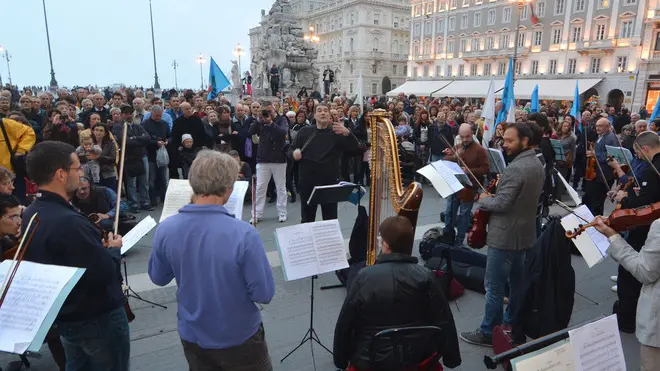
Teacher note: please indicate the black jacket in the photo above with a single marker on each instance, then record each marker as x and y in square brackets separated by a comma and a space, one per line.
[158, 131]
[66, 237]
[272, 139]
[649, 193]
[396, 292]
[546, 301]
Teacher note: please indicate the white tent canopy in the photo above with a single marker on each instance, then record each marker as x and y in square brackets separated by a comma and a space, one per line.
[555, 89]
[420, 88]
[468, 89]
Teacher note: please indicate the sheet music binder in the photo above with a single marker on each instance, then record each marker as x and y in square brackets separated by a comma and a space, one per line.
[329, 194]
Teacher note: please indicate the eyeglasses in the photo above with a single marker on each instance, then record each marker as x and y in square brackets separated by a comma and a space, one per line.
[14, 218]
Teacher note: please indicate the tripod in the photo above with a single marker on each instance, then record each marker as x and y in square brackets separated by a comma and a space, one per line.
[310, 335]
[130, 293]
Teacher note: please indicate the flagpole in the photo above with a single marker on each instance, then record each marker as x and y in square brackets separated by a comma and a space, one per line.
[520, 3]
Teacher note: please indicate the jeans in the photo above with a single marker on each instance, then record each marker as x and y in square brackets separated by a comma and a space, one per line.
[109, 183]
[502, 266]
[142, 182]
[97, 344]
[454, 205]
[158, 178]
[264, 173]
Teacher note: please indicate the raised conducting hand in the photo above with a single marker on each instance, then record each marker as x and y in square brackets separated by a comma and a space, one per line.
[338, 128]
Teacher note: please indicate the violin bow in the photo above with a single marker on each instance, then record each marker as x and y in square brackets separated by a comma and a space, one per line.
[121, 177]
[451, 148]
[568, 208]
[18, 257]
[625, 158]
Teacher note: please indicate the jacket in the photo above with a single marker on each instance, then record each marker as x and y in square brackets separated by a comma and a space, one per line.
[21, 139]
[512, 224]
[158, 131]
[395, 292]
[645, 267]
[137, 140]
[608, 139]
[548, 286]
[436, 130]
[272, 139]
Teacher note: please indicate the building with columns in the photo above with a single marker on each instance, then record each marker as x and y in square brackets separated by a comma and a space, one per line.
[606, 45]
[368, 37]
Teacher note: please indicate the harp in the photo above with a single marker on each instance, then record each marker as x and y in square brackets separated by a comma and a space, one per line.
[387, 196]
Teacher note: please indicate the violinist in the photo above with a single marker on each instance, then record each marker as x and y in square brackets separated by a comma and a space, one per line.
[475, 157]
[596, 189]
[584, 128]
[10, 221]
[511, 230]
[92, 322]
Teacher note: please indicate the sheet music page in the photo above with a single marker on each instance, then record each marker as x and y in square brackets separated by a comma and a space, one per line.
[458, 172]
[571, 191]
[235, 203]
[555, 357]
[448, 175]
[592, 244]
[329, 244]
[620, 154]
[29, 300]
[597, 346]
[177, 196]
[439, 183]
[135, 235]
[496, 158]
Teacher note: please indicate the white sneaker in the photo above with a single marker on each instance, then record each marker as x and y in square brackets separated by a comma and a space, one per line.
[252, 222]
[614, 278]
[614, 288]
[282, 218]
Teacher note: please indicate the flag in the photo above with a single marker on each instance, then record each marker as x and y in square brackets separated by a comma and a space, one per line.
[361, 93]
[535, 99]
[217, 80]
[488, 113]
[508, 111]
[575, 110]
[656, 110]
[533, 17]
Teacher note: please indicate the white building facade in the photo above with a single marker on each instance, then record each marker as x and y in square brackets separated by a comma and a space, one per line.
[368, 37]
[603, 42]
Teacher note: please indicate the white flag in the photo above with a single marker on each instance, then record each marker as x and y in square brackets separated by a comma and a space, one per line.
[488, 113]
[511, 115]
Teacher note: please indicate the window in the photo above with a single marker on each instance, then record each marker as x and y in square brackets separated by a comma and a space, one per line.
[523, 13]
[441, 5]
[341, 22]
[374, 88]
[501, 69]
[351, 67]
[453, 3]
[552, 70]
[463, 45]
[438, 71]
[473, 70]
[475, 44]
[540, 9]
[393, 86]
[506, 15]
[490, 44]
[538, 38]
[477, 19]
[579, 5]
[603, 4]
[486, 69]
[440, 27]
[417, 28]
[426, 47]
[535, 67]
[621, 64]
[416, 50]
[350, 44]
[429, 8]
[556, 36]
[521, 40]
[375, 21]
[461, 70]
[452, 23]
[414, 71]
[332, 25]
[374, 69]
[425, 70]
[427, 27]
[352, 18]
[464, 21]
[450, 46]
[405, 70]
[396, 22]
[491, 16]
[630, 2]
[394, 69]
[350, 88]
[449, 70]
[518, 68]
[595, 65]
[504, 42]
[466, 2]
[418, 10]
[576, 34]
[560, 5]
[600, 32]
[626, 30]
[438, 46]
[572, 63]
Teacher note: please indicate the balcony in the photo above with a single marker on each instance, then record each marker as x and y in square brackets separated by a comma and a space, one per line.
[596, 47]
[375, 54]
[495, 53]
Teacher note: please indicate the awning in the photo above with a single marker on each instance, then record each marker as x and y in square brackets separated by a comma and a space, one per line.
[468, 89]
[419, 88]
[551, 89]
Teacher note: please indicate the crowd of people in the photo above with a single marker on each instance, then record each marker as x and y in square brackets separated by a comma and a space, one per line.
[62, 157]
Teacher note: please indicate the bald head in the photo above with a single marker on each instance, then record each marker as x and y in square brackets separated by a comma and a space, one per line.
[603, 126]
[465, 132]
[187, 109]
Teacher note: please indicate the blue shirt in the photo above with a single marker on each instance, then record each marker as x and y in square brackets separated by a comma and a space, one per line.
[221, 270]
[166, 118]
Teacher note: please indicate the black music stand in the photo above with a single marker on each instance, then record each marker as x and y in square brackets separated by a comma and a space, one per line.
[129, 292]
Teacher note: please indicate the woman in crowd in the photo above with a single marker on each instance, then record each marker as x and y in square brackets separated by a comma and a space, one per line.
[569, 145]
[108, 158]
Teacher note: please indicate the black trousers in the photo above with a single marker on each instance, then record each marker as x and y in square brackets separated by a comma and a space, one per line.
[292, 175]
[595, 194]
[308, 212]
[326, 86]
[628, 290]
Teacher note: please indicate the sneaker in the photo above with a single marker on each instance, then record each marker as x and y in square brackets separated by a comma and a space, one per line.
[614, 278]
[476, 337]
[252, 222]
[282, 218]
[614, 288]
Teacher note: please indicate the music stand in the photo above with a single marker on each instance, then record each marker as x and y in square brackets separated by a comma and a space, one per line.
[129, 292]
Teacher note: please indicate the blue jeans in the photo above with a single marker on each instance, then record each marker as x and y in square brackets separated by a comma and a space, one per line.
[502, 266]
[142, 183]
[454, 205]
[99, 344]
[158, 178]
[109, 183]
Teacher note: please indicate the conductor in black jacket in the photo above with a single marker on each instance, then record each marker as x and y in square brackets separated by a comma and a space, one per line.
[319, 149]
[395, 292]
[92, 322]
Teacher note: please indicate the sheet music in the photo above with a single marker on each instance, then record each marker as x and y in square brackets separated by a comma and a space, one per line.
[597, 346]
[438, 181]
[618, 153]
[135, 235]
[458, 172]
[178, 195]
[235, 203]
[555, 357]
[577, 200]
[592, 244]
[34, 295]
[311, 248]
[496, 159]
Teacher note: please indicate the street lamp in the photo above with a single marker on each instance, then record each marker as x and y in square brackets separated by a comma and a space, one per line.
[312, 36]
[53, 82]
[521, 4]
[153, 47]
[238, 51]
[200, 60]
[175, 65]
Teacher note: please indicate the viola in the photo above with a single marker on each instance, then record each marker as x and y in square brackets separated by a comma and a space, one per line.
[624, 220]
[625, 168]
[591, 171]
[476, 238]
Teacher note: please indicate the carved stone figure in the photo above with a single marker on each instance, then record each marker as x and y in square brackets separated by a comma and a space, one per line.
[235, 75]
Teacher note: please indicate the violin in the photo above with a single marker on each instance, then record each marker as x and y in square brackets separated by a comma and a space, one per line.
[624, 188]
[591, 171]
[476, 238]
[624, 220]
[625, 168]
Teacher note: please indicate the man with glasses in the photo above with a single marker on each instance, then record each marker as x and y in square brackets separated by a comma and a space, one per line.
[167, 118]
[596, 189]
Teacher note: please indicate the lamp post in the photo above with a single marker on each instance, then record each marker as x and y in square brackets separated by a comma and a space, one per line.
[175, 65]
[53, 82]
[312, 36]
[200, 60]
[238, 51]
[153, 47]
[521, 4]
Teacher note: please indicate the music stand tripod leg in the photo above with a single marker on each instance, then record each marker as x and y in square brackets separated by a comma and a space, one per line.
[130, 293]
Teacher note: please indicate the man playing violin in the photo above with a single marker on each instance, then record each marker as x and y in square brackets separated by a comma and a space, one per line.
[596, 189]
[10, 221]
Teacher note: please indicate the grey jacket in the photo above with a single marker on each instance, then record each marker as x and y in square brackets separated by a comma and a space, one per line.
[512, 224]
[645, 267]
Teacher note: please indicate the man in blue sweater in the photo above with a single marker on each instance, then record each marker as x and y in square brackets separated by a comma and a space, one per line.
[221, 270]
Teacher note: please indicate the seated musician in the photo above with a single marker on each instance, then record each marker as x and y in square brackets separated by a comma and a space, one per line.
[395, 292]
[93, 199]
[476, 158]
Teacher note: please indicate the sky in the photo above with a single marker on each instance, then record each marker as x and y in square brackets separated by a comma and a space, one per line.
[100, 42]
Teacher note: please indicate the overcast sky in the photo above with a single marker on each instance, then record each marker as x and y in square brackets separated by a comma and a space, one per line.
[102, 42]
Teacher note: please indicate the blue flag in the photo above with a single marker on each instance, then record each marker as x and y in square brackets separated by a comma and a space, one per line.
[535, 100]
[508, 101]
[217, 80]
[575, 110]
[656, 110]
